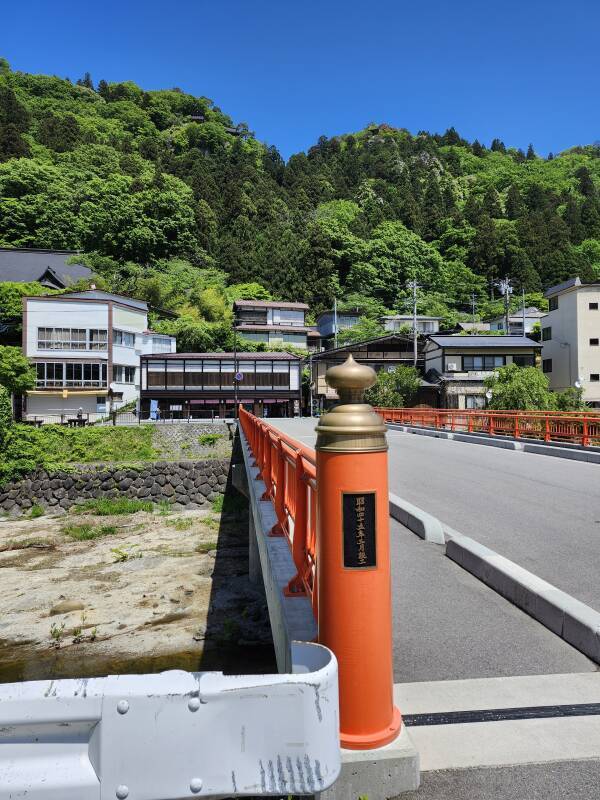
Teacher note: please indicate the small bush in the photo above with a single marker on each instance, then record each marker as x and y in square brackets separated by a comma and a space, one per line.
[209, 439]
[206, 547]
[85, 532]
[181, 524]
[217, 503]
[105, 507]
[164, 508]
[36, 511]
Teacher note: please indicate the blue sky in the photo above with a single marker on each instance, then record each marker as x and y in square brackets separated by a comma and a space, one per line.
[524, 71]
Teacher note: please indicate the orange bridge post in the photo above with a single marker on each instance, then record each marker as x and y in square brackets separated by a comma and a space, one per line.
[353, 559]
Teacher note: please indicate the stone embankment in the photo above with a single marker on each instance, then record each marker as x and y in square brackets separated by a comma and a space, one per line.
[183, 484]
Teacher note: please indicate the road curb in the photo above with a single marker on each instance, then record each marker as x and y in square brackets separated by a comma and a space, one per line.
[418, 521]
[572, 620]
[554, 450]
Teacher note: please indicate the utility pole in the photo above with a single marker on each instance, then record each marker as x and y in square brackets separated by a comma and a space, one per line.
[335, 323]
[473, 308]
[414, 286]
[235, 367]
[310, 386]
[506, 290]
[523, 300]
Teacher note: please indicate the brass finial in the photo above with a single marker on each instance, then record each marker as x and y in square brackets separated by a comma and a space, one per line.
[351, 425]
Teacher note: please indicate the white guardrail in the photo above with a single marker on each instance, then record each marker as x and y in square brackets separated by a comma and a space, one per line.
[174, 735]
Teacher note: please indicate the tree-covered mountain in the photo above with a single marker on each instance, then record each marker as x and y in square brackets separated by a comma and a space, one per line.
[178, 205]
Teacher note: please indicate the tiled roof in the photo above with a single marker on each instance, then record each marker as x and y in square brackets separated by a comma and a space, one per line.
[477, 342]
[241, 356]
[24, 265]
[268, 304]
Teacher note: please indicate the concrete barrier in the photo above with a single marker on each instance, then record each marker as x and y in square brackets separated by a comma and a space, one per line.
[572, 620]
[415, 519]
[555, 449]
[292, 618]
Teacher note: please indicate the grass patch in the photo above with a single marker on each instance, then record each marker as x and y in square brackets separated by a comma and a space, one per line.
[106, 506]
[36, 511]
[51, 446]
[218, 503]
[85, 532]
[205, 547]
[181, 524]
[23, 544]
[209, 439]
[164, 508]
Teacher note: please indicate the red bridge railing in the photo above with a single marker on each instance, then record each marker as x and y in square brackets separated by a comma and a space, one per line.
[288, 469]
[570, 427]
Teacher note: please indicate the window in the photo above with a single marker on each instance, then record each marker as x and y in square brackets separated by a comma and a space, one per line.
[98, 339]
[594, 342]
[553, 304]
[49, 375]
[546, 334]
[161, 344]
[156, 374]
[62, 339]
[125, 339]
[123, 374]
[547, 365]
[595, 377]
[85, 374]
[593, 306]
[524, 361]
[479, 363]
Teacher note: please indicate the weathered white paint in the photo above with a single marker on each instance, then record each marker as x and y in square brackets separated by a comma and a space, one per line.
[173, 736]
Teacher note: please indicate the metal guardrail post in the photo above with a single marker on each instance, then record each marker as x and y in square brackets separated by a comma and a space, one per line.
[353, 566]
[173, 736]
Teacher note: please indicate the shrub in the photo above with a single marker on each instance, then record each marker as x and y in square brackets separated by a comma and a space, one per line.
[105, 507]
[36, 511]
[86, 532]
[209, 439]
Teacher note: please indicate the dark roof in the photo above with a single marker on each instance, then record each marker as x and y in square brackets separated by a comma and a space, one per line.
[241, 356]
[408, 316]
[351, 346]
[477, 342]
[46, 266]
[561, 287]
[268, 304]
[98, 294]
[272, 327]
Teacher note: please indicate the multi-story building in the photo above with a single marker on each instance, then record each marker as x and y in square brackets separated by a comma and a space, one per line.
[571, 338]
[86, 349]
[273, 323]
[459, 365]
[185, 385]
[386, 352]
[330, 322]
[515, 321]
[398, 322]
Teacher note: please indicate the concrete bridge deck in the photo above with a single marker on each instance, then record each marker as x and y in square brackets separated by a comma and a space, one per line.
[542, 513]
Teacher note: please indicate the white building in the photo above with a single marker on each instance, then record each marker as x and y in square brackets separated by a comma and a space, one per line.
[571, 338]
[270, 322]
[515, 321]
[399, 322]
[86, 349]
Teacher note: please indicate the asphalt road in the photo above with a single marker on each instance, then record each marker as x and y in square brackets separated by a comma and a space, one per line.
[539, 511]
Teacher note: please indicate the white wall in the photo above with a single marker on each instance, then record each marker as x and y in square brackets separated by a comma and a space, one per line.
[65, 314]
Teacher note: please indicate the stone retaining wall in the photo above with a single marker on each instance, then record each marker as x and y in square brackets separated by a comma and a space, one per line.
[181, 483]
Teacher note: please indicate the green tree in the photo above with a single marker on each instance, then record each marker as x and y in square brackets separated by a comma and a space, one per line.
[394, 389]
[16, 373]
[6, 415]
[364, 329]
[519, 388]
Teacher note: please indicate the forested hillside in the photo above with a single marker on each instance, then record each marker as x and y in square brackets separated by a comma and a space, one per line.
[177, 204]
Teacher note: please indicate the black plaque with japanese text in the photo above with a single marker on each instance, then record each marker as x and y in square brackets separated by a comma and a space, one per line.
[358, 525]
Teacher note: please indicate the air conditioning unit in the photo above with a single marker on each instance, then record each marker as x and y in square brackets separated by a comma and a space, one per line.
[452, 366]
